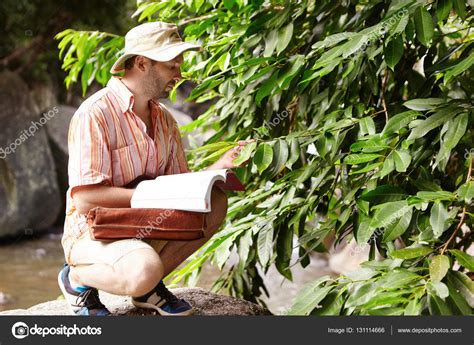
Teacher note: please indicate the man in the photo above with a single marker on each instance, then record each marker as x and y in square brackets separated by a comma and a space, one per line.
[118, 134]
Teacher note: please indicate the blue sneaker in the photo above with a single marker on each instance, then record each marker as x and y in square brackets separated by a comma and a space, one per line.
[164, 302]
[83, 300]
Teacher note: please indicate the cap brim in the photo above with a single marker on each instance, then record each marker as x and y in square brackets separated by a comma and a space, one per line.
[162, 55]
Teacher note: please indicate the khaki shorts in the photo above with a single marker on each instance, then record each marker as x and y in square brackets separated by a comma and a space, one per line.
[85, 251]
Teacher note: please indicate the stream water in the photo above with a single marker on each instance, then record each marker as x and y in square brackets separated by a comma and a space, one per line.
[29, 268]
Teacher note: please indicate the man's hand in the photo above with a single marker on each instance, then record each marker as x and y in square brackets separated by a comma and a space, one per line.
[227, 159]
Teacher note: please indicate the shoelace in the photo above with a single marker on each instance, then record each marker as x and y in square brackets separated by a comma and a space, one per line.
[162, 291]
[89, 299]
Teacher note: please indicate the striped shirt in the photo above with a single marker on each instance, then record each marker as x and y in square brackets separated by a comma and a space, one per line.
[108, 144]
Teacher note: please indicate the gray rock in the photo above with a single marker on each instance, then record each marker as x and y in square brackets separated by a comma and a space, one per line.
[203, 302]
[58, 128]
[29, 195]
[43, 96]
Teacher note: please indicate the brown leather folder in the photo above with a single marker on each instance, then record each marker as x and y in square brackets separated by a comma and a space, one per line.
[145, 223]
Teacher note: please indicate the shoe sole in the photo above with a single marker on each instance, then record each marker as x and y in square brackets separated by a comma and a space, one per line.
[65, 293]
[159, 310]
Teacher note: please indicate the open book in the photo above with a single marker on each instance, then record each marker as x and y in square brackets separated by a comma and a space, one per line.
[188, 191]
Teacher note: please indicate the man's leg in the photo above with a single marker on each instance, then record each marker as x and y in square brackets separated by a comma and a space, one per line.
[175, 252]
[134, 274]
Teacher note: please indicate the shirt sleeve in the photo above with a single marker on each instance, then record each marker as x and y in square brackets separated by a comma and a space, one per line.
[89, 149]
[177, 163]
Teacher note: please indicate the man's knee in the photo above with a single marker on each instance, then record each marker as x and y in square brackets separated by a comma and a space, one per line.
[141, 270]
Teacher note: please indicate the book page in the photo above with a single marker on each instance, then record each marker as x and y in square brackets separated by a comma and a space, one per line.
[188, 191]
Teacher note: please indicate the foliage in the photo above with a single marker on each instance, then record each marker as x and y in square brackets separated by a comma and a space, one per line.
[363, 114]
[28, 28]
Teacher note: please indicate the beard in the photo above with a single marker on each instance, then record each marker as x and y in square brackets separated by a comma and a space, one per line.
[154, 86]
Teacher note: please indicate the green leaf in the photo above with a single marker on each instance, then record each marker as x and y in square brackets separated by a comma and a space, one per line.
[459, 68]
[457, 301]
[464, 259]
[437, 306]
[332, 40]
[284, 250]
[285, 78]
[456, 129]
[466, 192]
[308, 171]
[438, 218]
[265, 243]
[424, 103]
[397, 278]
[384, 193]
[423, 25]
[460, 7]
[410, 253]
[438, 288]
[399, 121]
[223, 61]
[363, 292]
[365, 169]
[413, 308]
[385, 215]
[439, 266]
[270, 43]
[213, 147]
[400, 26]
[295, 152]
[245, 241]
[443, 8]
[245, 154]
[354, 45]
[359, 158]
[330, 305]
[391, 298]
[374, 144]
[367, 125]
[229, 4]
[267, 88]
[398, 228]
[263, 157]
[422, 127]
[402, 160]
[85, 77]
[280, 156]
[310, 296]
[393, 52]
[463, 284]
[284, 37]
[428, 196]
[222, 252]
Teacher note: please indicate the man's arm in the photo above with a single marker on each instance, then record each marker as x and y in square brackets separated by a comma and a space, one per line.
[88, 197]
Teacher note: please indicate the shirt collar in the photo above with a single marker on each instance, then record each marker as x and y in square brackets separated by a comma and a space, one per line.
[124, 95]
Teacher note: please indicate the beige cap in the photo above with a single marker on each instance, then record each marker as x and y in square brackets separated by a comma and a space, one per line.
[158, 41]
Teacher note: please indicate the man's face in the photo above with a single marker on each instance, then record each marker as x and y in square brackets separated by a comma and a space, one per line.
[161, 77]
